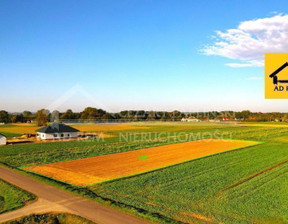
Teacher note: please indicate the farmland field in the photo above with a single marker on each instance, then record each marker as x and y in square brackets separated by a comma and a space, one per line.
[249, 185]
[98, 169]
[12, 197]
[16, 130]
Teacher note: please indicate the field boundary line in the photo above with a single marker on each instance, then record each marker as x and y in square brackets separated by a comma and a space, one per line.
[254, 176]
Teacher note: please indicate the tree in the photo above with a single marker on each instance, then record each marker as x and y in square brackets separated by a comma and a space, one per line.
[116, 116]
[176, 115]
[27, 116]
[55, 116]
[285, 118]
[4, 116]
[68, 115]
[16, 118]
[107, 116]
[124, 114]
[165, 116]
[89, 113]
[151, 115]
[42, 117]
[246, 114]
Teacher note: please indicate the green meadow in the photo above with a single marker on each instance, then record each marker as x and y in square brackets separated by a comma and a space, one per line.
[12, 197]
[248, 185]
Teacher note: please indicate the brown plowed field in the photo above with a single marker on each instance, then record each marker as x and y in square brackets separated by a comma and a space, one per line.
[97, 169]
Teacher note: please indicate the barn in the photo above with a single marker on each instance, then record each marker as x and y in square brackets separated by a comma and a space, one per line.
[3, 139]
[57, 131]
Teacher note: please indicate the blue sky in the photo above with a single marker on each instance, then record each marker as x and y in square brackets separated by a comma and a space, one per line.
[136, 54]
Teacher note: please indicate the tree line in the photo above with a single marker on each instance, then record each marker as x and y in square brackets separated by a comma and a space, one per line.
[91, 114]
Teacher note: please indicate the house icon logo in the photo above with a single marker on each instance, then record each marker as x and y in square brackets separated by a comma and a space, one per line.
[276, 76]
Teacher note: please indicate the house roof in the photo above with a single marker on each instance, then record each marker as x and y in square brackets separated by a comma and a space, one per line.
[278, 70]
[57, 128]
[2, 135]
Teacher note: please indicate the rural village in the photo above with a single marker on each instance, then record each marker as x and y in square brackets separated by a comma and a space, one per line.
[143, 112]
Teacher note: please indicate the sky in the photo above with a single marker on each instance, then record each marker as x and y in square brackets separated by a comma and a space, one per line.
[139, 54]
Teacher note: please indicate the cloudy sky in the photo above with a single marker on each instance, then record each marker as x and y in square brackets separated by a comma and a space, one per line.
[140, 54]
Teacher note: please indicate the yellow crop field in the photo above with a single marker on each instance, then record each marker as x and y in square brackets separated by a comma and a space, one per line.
[15, 130]
[107, 127]
[102, 168]
[18, 128]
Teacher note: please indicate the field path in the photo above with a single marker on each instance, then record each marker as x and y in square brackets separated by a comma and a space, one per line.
[57, 200]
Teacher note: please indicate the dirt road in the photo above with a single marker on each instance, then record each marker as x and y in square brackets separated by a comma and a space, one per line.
[53, 199]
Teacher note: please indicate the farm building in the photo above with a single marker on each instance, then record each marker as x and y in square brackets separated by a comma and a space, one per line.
[3, 140]
[57, 131]
[185, 119]
[214, 120]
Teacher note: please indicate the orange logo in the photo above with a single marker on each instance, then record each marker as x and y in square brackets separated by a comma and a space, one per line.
[276, 76]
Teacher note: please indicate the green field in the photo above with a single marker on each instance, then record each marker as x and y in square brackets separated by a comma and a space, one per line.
[242, 186]
[51, 218]
[12, 197]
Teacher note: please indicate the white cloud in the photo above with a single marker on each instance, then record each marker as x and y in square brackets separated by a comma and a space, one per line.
[251, 40]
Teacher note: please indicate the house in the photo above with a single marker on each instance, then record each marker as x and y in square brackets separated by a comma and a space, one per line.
[57, 131]
[185, 119]
[275, 73]
[226, 119]
[3, 139]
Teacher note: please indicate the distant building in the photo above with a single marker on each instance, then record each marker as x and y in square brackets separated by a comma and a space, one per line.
[3, 140]
[226, 119]
[57, 131]
[214, 120]
[185, 119]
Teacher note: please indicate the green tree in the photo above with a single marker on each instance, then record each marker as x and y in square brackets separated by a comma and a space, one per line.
[151, 116]
[16, 118]
[92, 113]
[42, 117]
[165, 116]
[27, 116]
[68, 115]
[246, 114]
[4, 116]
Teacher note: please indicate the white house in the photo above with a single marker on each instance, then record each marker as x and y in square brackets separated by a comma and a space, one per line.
[57, 131]
[3, 140]
[185, 119]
